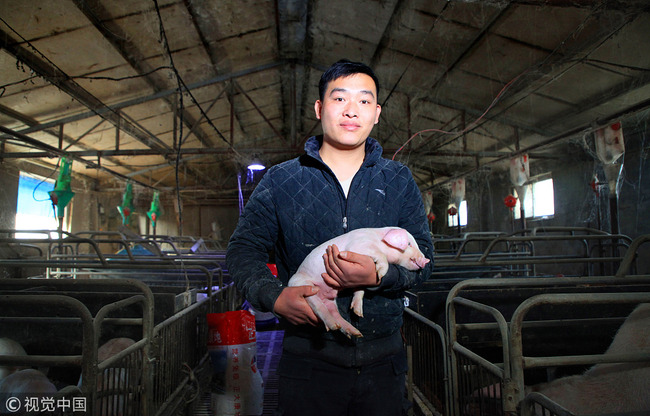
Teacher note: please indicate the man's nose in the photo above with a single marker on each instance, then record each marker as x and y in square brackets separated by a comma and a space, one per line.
[351, 110]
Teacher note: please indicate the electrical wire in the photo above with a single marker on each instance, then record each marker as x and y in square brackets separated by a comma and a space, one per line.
[470, 125]
[506, 86]
[3, 88]
[140, 75]
[183, 86]
[163, 38]
[414, 54]
[43, 181]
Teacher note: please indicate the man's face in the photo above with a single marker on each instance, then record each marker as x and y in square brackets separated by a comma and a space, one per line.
[348, 111]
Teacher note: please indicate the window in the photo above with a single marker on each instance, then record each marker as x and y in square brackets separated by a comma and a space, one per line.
[452, 220]
[34, 209]
[539, 200]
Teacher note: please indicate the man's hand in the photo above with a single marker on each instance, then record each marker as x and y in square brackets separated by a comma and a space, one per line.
[292, 306]
[347, 269]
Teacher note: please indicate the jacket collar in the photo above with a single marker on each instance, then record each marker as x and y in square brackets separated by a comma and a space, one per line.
[373, 149]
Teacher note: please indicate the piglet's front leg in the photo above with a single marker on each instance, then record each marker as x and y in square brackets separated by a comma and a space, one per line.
[357, 303]
[381, 267]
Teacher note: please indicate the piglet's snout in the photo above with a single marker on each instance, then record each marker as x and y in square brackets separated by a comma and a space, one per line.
[420, 261]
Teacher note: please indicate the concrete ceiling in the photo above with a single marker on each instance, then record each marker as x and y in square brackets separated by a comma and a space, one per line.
[481, 81]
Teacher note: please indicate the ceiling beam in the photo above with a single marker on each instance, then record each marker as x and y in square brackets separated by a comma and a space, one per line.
[225, 151]
[56, 133]
[550, 68]
[150, 97]
[574, 50]
[643, 105]
[149, 152]
[101, 19]
[57, 77]
[51, 150]
[61, 80]
[472, 43]
[603, 97]
[619, 5]
[301, 62]
[398, 9]
[203, 23]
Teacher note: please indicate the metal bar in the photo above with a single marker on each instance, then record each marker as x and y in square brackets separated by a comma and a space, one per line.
[509, 239]
[500, 320]
[53, 150]
[452, 301]
[155, 96]
[533, 362]
[61, 137]
[89, 354]
[493, 368]
[87, 132]
[40, 360]
[543, 143]
[556, 299]
[628, 260]
[241, 90]
[147, 335]
[420, 351]
[113, 33]
[545, 402]
[61, 80]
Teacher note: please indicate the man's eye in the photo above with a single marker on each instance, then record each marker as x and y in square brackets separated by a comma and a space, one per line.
[365, 102]
[338, 99]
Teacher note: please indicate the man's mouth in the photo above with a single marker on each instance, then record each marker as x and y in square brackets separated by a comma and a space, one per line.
[350, 126]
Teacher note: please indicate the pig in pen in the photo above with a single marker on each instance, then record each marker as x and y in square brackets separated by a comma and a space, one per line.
[568, 325]
[156, 371]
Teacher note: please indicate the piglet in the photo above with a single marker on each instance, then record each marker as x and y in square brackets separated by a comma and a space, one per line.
[10, 347]
[385, 245]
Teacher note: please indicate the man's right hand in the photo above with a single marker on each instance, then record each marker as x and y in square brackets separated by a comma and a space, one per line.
[292, 306]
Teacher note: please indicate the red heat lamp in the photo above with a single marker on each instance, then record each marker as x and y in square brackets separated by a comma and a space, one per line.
[510, 202]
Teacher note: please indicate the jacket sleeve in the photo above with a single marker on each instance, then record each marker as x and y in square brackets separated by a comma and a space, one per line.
[413, 219]
[249, 247]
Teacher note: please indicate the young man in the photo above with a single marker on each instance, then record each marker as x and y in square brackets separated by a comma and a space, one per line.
[341, 183]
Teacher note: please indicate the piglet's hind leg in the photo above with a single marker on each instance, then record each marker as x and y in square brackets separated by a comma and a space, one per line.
[329, 314]
[357, 303]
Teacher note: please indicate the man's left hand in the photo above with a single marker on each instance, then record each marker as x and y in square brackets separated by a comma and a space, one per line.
[346, 269]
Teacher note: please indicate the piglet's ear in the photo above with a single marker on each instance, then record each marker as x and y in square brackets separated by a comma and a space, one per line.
[397, 238]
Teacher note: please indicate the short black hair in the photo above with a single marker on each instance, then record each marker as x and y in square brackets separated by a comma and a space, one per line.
[344, 68]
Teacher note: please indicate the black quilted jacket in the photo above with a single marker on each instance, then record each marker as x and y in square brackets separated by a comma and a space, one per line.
[298, 205]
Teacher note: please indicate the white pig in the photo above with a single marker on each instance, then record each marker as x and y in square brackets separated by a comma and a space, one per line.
[603, 388]
[9, 347]
[385, 245]
[113, 379]
[26, 381]
[610, 388]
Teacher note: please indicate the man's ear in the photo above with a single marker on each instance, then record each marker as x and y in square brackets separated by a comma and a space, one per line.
[318, 106]
[378, 113]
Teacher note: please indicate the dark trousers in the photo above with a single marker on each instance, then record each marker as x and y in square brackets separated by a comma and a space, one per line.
[310, 387]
